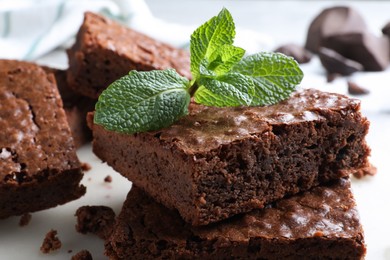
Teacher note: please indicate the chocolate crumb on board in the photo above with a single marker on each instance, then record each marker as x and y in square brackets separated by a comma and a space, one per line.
[25, 219]
[82, 255]
[369, 170]
[50, 242]
[299, 53]
[86, 166]
[108, 178]
[355, 89]
[98, 220]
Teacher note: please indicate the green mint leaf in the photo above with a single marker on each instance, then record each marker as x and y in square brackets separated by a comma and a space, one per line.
[223, 59]
[232, 89]
[143, 101]
[274, 76]
[210, 36]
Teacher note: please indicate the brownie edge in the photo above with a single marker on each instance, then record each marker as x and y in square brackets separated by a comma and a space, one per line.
[322, 223]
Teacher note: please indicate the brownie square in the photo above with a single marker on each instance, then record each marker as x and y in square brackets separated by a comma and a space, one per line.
[219, 162]
[106, 50]
[322, 223]
[39, 167]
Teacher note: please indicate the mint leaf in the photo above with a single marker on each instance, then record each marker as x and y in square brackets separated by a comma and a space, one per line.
[232, 89]
[143, 101]
[274, 76]
[223, 59]
[213, 34]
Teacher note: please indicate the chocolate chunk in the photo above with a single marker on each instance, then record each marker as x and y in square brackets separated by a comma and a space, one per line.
[355, 89]
[300, 54]
[98, 220]
[50, 242]
[333, 21]
[386, 29]
[334, 63]
[366, 48]
[332, 76]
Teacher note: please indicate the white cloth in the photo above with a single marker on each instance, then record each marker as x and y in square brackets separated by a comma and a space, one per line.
[32, 28]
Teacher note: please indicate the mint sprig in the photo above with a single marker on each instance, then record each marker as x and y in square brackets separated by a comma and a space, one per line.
[222, 76]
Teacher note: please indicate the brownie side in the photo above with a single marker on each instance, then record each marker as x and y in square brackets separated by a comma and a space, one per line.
[105, 51]
[216, 162]
[39, 167]
[322, 223]
[76, 108]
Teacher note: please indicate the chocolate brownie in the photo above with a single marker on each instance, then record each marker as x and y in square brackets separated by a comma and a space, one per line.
[106, 50]
[322, 223]
[76, 108]
[39, 167]
[218, 162]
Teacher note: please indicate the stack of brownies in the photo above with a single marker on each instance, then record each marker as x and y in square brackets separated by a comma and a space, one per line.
[221, 183]
[226, 183]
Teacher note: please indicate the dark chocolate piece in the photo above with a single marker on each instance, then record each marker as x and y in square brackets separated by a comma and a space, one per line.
[299, 53]
[332, 76]
[334, 63]
[98, 220]
[322, 223]
[219, 162]
[333, 21]
[106, 50]
[386, 29]
[367, 49]
[355, 89]
[39, 168]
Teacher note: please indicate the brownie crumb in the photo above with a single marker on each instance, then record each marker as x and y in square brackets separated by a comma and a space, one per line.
[355, 89]
[98, 220]
[108, 178]
[369, 170]
[82, 255]
[50, 242]
[25, 219]
[70, 251]
[86, 166]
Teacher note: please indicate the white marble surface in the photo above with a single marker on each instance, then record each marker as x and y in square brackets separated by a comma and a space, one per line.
[282, 21]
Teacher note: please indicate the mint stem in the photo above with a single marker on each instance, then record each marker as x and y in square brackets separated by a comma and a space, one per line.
[193, 89]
